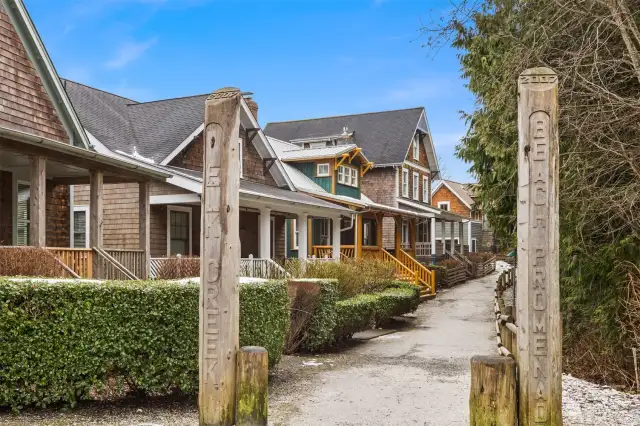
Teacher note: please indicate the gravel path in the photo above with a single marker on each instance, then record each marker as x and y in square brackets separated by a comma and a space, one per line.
[417, 376]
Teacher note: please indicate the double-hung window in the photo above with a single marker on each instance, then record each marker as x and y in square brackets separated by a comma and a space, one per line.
[348, 176]
[405, 182]
[178, 231]
[425, 189]
[416, 146]
[416, 186]
[23, 206]
[80, 226]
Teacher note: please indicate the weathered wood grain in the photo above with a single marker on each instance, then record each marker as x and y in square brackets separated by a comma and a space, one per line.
[96, 219]
[492, 400]
[37, 202]
[219, 304]
[538, 295]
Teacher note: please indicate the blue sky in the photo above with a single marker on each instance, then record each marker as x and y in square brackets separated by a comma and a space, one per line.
[302, 59]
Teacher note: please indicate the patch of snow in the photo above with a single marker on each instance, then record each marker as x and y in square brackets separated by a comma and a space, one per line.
[52, 280]
[585, 403]
[311, 363]
[243, 280]
[501, 265]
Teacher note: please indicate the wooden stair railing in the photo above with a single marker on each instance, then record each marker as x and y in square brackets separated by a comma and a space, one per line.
[402, 271]
[110, 261]
[463, 259]
[426, 277]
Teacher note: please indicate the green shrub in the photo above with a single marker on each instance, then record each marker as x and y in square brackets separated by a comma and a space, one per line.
[323, 320]
[394, 302]
[62, 342]
[264, 317]
[354, 315]
[354, 276]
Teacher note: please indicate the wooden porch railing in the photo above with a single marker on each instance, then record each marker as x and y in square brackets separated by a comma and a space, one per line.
[79, 260]
[322, 251]
[261, 268]
[423, 249]
[348, 252]
[425, 277]
[112, 269]
[402, 271]
[133, 260]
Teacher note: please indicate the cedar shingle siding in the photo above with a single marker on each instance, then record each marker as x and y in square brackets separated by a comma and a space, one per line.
[57, 214]
[24, 103]
[455, 205]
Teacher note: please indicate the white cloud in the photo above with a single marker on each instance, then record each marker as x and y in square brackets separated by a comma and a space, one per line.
[129, 52]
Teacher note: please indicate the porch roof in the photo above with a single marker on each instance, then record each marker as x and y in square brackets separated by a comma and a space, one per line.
[255, 191]
[74, 162]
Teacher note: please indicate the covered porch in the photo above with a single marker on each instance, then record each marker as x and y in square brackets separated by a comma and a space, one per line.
[36, 205]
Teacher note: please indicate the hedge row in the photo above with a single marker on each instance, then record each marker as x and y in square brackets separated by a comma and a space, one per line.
[63, 342]
[339, 320]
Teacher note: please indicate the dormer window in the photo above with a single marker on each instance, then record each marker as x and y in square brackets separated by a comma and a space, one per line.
[416, 146]
[348, 176]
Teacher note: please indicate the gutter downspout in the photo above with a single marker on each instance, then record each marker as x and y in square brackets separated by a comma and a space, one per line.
[353, 219]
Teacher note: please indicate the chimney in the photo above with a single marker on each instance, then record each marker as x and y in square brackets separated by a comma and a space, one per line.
[253, 107]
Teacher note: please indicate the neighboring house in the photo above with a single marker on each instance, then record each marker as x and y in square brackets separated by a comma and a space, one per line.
[399, 145]
[460, 198]
[167, 135]
[44, 150]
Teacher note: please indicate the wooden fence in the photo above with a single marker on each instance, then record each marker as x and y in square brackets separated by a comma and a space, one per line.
[482, 269]
[132, 260]
[80, 261]
[506, 327]
[454, 276]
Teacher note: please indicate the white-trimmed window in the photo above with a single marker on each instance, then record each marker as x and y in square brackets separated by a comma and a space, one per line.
[80, 227]
[405, 182]
[294, 234]
[322, 170]
[416, 186]
[444, 205]
[23, 207]
[179, 230]
[425, 189]
[348, 176]
[241, 155]
[416, 146]
[405, 232]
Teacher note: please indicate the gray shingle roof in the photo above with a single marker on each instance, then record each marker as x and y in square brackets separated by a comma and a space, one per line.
[384, 136]
[154, 128]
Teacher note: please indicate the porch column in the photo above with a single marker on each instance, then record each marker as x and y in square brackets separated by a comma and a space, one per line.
[335, 240]
[469, 237]
[443, 228]
[302, 235]
[413, 230]
[453, 242]
[38, 202]
[461, 235]
[265, 234]
[95, 222]
[144, 207]
[359, 234]
[379, 230]
[398, 239]
[432, 236]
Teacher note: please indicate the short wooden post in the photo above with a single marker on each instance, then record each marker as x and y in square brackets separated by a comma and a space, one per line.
[96, 220]
[538, 289]
[507, 337]
[359, 236]
[492, 401]
[251, 386]
[144, 208]
[220, 254]
[38, 202]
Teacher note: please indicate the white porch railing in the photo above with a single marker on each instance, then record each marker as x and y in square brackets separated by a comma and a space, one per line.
[423, 249]
[405, 246]
[249, 267]
[261, 268]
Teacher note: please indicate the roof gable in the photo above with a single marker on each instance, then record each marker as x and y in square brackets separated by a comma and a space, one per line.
[384, 136]
[457, 189]
[33, 99]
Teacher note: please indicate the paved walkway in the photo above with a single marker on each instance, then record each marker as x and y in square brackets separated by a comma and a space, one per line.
[419, 376]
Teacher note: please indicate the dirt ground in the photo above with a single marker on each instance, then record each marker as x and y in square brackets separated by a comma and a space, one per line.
[417, 376]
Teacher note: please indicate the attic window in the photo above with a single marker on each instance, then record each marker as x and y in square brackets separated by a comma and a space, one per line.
[416, 146]
[322, 170]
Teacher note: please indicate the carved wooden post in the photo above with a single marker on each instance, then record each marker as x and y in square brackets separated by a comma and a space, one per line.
[538, 296]
[220, 254]
[253, 383]
[492, 399]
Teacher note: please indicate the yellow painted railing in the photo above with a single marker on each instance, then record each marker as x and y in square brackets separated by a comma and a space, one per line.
[426, 277]
[322, 251]
[78, 260]
[371, 252]
[402, 271]
[348, 251]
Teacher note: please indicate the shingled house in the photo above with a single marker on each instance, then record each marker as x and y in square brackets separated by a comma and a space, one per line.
[44, 149]
[460, 199]
[400, 146]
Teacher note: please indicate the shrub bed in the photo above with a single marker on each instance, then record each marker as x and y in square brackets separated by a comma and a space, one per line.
[29, 262]
[322, 323]
[68, 341]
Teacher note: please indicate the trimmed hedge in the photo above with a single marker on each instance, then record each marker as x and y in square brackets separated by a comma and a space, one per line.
[323, 321]
[62, 342]
[365, 311]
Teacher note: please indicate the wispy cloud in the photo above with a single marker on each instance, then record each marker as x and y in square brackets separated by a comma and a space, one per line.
[129, 52]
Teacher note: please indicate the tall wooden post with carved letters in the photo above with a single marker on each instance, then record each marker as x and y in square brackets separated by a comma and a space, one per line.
[220, 259]
[538, 292]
